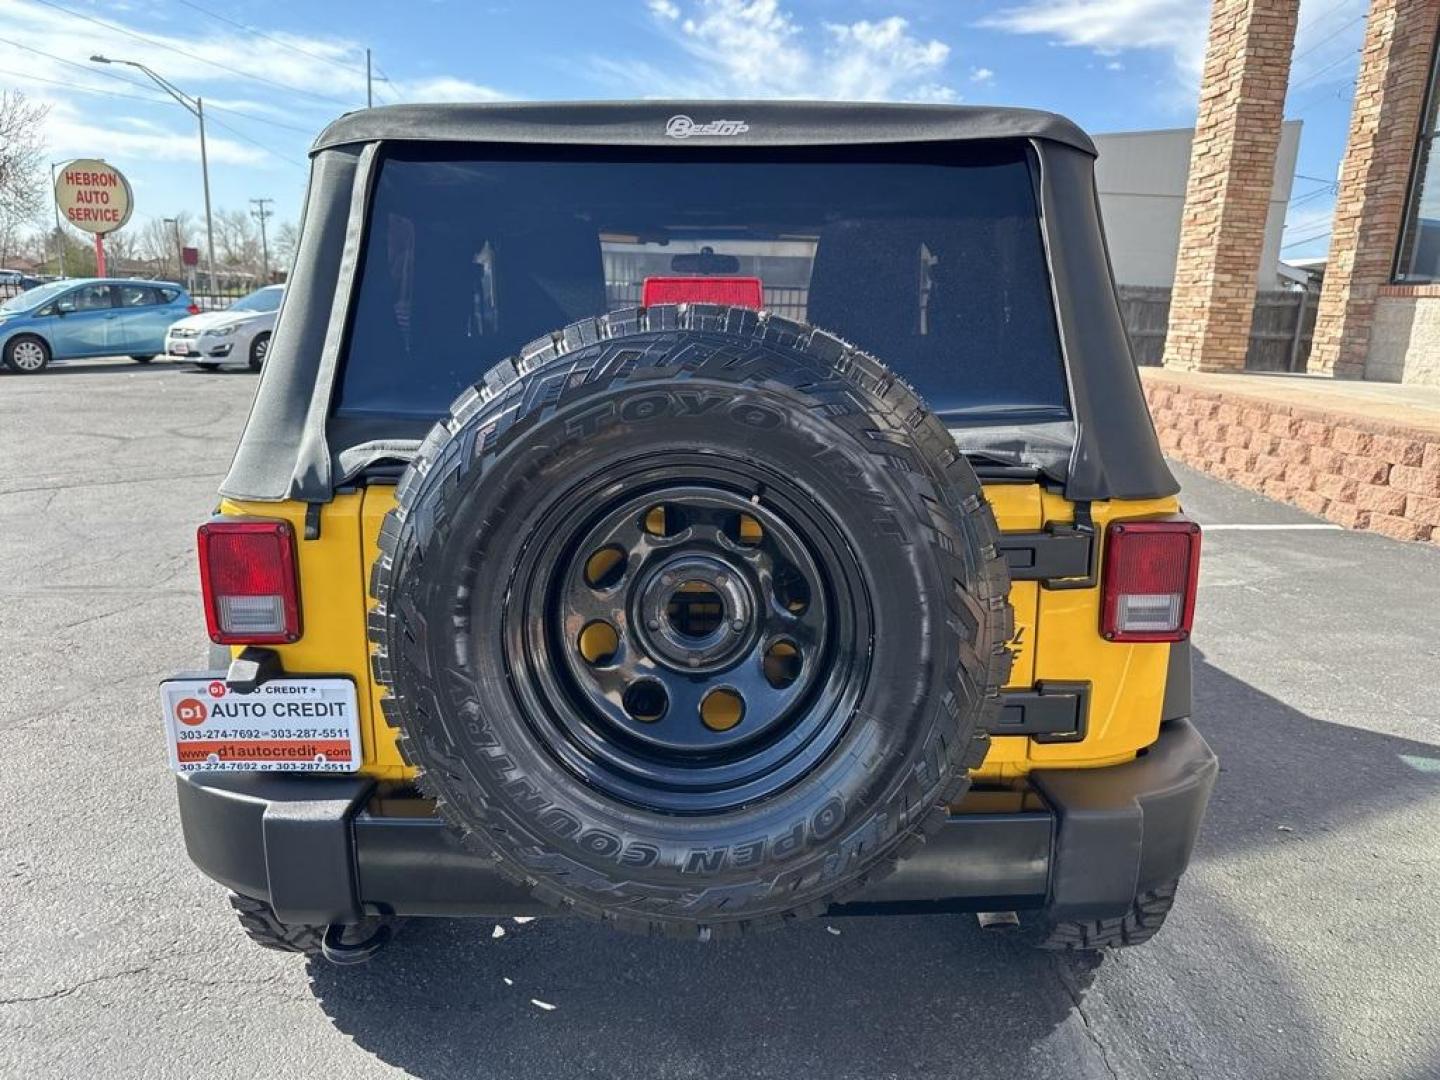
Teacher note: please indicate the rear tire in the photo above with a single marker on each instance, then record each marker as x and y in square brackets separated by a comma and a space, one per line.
[1138, 925]
[258, 920]
[26, 354]
[142, 359]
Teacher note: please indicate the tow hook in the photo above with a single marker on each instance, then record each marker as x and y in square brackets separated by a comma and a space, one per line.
[337, 950]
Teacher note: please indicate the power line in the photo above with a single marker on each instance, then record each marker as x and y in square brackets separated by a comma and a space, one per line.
[1324, 15]
[1295, 86]
[256, 142]
[388, 83]
[1305, 240]
[193, 56]
[83, 89]
[1328, 37]
[92, 70]
[274, 40]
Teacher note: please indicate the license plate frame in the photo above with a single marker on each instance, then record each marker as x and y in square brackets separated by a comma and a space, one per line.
[284, 725]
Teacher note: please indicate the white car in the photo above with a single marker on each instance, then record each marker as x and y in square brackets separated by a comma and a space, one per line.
[238, 335]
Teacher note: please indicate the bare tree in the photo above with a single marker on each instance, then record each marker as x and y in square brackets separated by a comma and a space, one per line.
[21, 155]
[287, 238]
[237, 242]
[160, 241]
[21, 168]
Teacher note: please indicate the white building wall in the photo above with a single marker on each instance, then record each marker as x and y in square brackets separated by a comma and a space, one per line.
[1141, 176]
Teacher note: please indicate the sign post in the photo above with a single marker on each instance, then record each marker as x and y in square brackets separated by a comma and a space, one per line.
[95, 197]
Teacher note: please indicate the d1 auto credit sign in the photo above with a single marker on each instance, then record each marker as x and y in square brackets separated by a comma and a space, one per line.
[93, 196]
[285, 725]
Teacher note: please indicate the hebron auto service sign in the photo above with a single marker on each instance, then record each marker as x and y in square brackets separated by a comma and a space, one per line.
[93, 196]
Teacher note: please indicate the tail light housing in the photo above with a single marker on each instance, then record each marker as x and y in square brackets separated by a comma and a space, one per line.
[247, 576]
[1148, 584]
[193, 309]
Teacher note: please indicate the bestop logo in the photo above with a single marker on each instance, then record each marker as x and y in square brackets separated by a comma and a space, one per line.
[682, 127]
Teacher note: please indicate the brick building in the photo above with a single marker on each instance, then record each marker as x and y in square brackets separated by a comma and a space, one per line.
[1379, 314]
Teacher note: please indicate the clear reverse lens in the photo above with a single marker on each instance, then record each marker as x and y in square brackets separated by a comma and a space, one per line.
[246, 615]
[1148, 613]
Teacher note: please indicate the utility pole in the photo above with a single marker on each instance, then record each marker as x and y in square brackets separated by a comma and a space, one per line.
[369, 89]
[260, 213]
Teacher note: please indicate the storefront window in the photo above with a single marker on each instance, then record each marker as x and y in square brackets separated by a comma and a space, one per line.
[1419, 259]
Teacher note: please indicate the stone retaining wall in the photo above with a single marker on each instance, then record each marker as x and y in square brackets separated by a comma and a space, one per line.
[1357, 472]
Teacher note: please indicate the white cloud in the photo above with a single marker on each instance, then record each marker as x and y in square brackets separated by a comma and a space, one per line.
[448, 88]
[1327, 39]
[1177, 27]
[68, 132]
[757, 48]
[981, 75]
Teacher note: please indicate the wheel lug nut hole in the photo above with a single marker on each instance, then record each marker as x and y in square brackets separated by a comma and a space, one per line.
[792, 591]
[721, 710]
[695, 610]
[782, 664]
[744, 530]
[605, 568]
[598, 643]
[645, 700]
[663, 520]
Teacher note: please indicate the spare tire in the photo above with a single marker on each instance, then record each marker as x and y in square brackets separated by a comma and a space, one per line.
[692, 618]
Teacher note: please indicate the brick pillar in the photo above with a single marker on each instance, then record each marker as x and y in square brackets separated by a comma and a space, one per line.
[1389, 94]
[1232, 168]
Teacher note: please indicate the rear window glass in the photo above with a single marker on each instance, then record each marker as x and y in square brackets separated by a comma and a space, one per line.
[935, 264]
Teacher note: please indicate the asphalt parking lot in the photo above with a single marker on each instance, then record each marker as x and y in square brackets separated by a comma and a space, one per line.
[1304, 943]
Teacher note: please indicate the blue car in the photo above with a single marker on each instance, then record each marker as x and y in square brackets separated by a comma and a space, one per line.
[79, 317]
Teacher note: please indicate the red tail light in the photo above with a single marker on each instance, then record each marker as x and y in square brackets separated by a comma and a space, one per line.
[247, 575]
[193, 309]
[736, 291]
[1151, 569]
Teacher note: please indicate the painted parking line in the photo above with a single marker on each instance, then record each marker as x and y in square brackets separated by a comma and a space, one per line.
[1293, 527]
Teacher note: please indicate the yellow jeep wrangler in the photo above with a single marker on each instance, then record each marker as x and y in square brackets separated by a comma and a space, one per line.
[695, 517]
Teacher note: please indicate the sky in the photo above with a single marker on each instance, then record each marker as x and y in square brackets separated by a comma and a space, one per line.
[274, 72]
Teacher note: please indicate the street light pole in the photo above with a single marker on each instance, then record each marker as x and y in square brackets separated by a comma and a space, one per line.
[196, 108]
[59, 235]
[260, 213]
[179, 249]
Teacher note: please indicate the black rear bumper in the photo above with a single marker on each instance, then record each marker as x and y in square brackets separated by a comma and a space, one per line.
[328, 850]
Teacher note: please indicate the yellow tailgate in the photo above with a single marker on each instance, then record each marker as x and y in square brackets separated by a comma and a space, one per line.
[1056, 630]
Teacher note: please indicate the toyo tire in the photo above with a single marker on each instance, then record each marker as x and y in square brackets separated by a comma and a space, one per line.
[647, 513]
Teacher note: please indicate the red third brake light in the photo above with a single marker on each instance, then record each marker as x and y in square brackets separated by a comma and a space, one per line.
[735, 291]
[247, 576]
[1151, 569]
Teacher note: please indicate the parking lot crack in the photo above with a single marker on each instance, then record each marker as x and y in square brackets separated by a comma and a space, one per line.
[66, 991]
[1062, 973]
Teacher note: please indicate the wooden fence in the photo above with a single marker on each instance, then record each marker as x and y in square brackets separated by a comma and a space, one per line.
[1279, 336]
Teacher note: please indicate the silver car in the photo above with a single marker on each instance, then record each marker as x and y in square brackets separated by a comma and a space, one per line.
[238, 335]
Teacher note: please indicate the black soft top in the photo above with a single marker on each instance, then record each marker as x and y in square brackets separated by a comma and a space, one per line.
[656, 123]
[293, 448]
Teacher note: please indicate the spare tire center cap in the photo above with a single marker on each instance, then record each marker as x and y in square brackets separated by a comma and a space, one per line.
[695, 612]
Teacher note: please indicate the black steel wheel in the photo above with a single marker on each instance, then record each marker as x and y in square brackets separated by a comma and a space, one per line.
[693, 619]
[701, 644]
